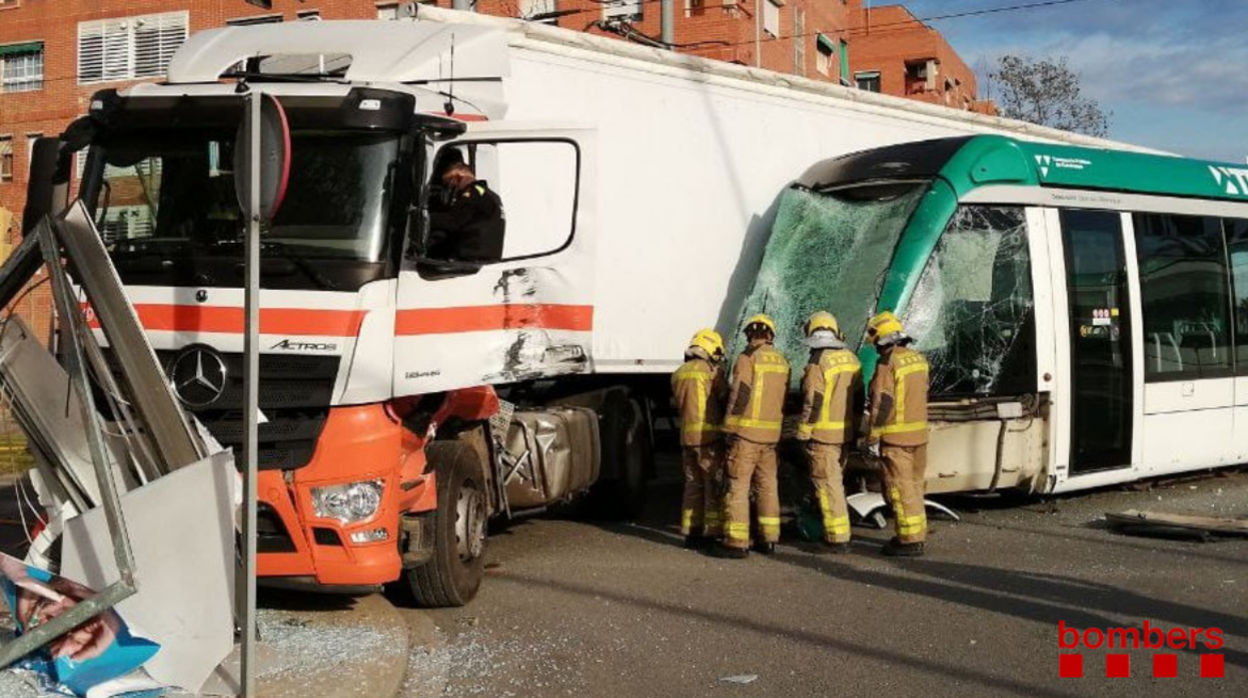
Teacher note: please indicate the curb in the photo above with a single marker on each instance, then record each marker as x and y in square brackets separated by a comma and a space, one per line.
[358, 651]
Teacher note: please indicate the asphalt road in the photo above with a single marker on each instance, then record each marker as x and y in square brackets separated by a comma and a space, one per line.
[582, 609]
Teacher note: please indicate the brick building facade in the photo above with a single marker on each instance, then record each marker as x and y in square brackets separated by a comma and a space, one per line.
[896, 54]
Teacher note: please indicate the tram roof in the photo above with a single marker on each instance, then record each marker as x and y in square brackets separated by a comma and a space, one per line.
[975, 161]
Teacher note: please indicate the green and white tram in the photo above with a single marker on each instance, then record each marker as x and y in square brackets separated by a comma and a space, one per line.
[1085, 311]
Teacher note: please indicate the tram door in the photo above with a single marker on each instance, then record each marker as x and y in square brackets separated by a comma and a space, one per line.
[1100, 341]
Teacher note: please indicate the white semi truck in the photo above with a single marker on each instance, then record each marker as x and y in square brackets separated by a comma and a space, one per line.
[640, 188]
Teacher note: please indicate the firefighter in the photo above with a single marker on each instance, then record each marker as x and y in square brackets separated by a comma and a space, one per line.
[700, 390]
[831, 384]
[471, 227]
[897, 423]
[760, 380]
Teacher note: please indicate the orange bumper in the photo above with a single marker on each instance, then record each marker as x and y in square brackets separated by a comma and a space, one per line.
[357, 444]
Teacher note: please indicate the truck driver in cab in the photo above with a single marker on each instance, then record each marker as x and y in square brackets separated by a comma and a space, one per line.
[470, 227]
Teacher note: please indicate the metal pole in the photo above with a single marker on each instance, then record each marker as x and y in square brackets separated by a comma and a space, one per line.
[758, 33]
[667, 31]
[251, 372]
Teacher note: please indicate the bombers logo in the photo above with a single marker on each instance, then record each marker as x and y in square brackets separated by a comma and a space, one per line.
[1232, 180]
[1205, 643]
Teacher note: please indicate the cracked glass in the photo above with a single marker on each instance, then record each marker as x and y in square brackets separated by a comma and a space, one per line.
[973, 311]
[828, 251]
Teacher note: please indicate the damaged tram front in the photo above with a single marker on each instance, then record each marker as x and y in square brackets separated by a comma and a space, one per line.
[1077, 305]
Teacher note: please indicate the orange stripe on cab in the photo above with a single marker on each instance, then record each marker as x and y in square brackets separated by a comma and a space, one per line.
[485, 318]
[281, 321]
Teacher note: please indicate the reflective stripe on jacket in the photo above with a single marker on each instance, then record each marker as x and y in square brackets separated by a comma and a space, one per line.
[899, 399]
[828, 388]
[699, 389]
[760, 380]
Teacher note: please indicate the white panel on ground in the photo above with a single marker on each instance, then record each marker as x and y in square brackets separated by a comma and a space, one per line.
[181, 528]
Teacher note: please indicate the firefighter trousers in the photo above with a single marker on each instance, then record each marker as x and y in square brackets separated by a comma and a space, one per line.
[751, 469]
[701, 509]
[827, 476]
[904, 484]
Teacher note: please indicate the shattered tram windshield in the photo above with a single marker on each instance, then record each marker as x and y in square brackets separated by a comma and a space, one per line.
[829, 251]
[972, 313]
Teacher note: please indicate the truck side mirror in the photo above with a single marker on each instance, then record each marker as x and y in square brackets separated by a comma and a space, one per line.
[47, 192]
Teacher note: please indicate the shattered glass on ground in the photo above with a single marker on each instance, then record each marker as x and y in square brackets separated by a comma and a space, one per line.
[828, 251]
[972, 313]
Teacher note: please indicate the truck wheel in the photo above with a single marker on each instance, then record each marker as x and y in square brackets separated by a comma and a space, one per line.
[453, 575]
[626, 437]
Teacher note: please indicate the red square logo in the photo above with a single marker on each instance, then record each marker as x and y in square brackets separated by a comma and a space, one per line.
[1212, 666]
[1070, 666]
[1165, 666]
[1117, 666]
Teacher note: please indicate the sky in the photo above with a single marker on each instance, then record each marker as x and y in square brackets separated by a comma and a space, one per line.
[1174, 73]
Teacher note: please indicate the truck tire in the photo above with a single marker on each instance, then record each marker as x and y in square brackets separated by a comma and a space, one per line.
[625, 436]
[453, 575]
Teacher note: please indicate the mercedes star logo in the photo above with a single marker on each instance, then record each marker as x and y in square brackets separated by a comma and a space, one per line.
[198, 376]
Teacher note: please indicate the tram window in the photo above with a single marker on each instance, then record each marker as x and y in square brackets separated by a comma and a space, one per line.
[1185, 297]
[973, 311]
[1237, 245]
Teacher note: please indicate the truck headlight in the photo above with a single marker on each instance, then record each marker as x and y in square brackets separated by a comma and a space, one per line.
[348, 503]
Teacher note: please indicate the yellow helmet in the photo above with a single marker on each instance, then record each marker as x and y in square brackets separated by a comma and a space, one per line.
[885, 328]
[709, 341]
[763, 320]
[822, 320]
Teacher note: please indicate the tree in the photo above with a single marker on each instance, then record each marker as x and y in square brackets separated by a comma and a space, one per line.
[1048, 93]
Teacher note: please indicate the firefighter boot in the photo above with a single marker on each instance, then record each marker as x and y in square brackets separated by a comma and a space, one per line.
[895, 548]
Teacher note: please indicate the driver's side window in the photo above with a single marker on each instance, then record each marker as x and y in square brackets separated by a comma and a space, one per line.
[492, 201]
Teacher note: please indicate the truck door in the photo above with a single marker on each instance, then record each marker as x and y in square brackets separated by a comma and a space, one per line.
[471, 314]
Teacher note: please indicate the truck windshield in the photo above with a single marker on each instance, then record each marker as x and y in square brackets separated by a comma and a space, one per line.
[169, 216]
[829, 250]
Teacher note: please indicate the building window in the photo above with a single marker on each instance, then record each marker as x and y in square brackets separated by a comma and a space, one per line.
[622, 9]
[129, 48]
[6, 158]
[543, 9]
[868, 80]
[771, 17]
[21, 67]
[308, 15]
[825, 48]
[1185, 297]
[799, 41]
[843, 54]
[30, 150]
[250, 21]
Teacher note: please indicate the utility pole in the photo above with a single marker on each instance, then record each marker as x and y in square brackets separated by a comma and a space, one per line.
[667, 31]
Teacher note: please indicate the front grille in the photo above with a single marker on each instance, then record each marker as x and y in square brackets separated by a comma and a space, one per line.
[294, 396]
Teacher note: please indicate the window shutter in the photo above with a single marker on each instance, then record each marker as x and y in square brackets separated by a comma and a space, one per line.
[90, 52]
[156, 38]
[118, 63]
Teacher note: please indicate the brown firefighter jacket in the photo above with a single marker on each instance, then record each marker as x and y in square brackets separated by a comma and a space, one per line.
[760, 380]
[898, 414]
[700, 390]
[830, 387]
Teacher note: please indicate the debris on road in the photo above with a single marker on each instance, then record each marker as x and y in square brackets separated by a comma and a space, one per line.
[1146, 523]
[740, 678]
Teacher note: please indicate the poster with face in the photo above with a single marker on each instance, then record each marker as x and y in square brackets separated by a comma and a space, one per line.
[98, 651]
